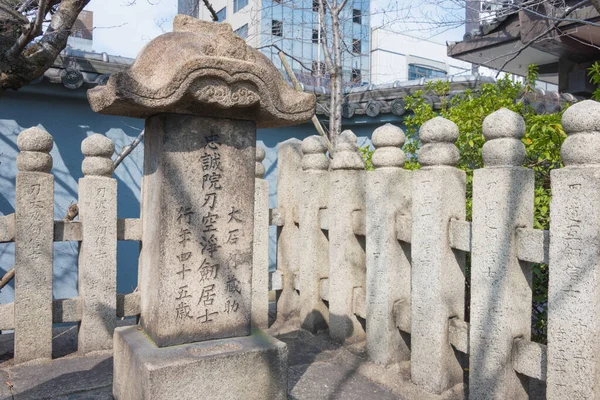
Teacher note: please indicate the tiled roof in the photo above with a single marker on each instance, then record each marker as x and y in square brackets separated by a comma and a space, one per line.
[74, 69]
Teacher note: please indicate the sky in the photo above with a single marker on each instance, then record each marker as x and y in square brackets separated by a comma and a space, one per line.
[122, 29]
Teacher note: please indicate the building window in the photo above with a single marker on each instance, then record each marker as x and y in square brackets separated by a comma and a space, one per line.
[418, 71]
[276, 28]
[239, 4]
[356, 76]
[222, 14]
[315, 37]
[315, 4]
[318, 68]
[356, 16]
[356, 46]
[242, 31]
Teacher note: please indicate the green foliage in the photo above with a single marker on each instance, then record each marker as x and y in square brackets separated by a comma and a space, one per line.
[594, 74]
[531, 78]
[366, 153]
[542, 141]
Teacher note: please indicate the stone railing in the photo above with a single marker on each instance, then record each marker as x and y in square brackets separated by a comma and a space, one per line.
[98, 306]
[381, 255]
[370, 255]
[34, 231]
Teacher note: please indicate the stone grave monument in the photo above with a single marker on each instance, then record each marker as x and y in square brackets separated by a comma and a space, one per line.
[203, 93]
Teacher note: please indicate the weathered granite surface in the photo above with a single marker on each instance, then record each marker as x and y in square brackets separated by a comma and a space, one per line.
[207, 370]
[438, 282]
[197, 221]
[574, 290]
[98, 216]
[34, 246]
[260, 264]
[289, 172]
[347, 268]
[388, 260]
[503, 194]
[318, 369]
[314, 254]
[203, 68]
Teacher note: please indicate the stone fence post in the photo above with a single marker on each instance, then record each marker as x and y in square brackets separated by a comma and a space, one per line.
[34, 246]
[438, 281]
[289, 161]
[314, 256]
[346, 251]
[98, 249]
[388, 261]
[574, 288]
[503, 194]
[260, 268]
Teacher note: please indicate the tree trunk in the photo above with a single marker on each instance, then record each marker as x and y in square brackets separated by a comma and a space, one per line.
[22, 64]
[336, 82]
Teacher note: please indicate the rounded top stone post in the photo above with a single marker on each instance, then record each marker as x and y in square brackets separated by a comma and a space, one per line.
[34, 145]
[503, 130]
[581, 123]
[98, 150]
[314, 154]
[346, 152]
[388, 140]
[259, 171]
[438, 136]
[204, 69]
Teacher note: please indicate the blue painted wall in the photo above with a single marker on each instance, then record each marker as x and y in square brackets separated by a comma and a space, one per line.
[67, 116]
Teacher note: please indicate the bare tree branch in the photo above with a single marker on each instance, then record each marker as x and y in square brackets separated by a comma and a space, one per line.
[31, 31]
[297, 86]
[8, 276]
[126, 150]
[287, 54]
[24, 58]
[210, 8]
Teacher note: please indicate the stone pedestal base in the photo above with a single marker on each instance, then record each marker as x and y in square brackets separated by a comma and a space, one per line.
[250, 367]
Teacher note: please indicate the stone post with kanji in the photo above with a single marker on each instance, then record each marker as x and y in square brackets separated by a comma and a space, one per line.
[203, 93]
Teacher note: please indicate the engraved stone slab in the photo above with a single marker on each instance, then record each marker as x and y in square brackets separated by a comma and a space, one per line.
[573, 289]
[437, 281]
[388, 260]
[98, 216]
[347, 269]
[573, 292]
[503, 194]
[260, 270]
[198, 211]
[34, 226]
[98, 262]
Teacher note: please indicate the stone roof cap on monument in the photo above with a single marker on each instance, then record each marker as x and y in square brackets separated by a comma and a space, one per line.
[203, 68]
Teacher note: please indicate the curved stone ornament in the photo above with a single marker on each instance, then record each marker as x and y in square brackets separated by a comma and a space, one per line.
[203, 68]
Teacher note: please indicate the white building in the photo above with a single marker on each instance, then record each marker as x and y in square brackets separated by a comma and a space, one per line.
[401, 57]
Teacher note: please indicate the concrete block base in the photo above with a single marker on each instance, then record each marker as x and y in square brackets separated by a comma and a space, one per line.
[249, 367]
